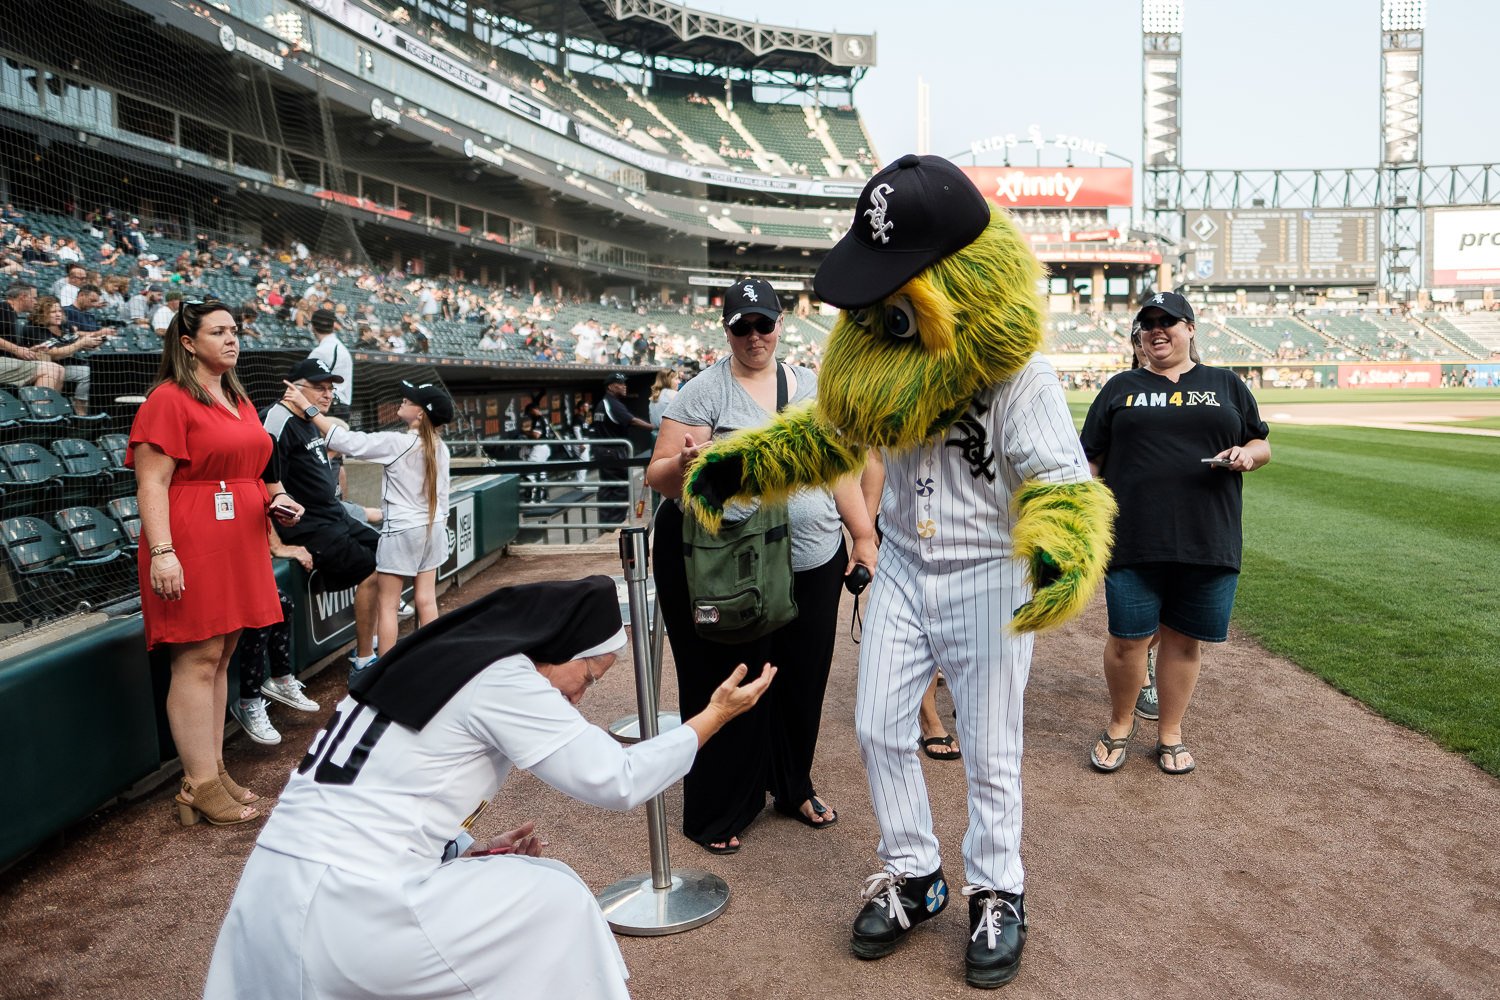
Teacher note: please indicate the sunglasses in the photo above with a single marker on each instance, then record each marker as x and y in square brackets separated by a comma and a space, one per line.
[1161, 322]
[762, 325]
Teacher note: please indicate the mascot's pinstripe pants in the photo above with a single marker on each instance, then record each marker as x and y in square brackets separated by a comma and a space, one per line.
[949, 616]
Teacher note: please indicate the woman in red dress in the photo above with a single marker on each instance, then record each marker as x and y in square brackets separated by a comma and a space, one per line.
[200, 456]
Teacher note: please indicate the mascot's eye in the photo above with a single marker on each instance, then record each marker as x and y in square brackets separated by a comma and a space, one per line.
[900, 318]
[860, 317]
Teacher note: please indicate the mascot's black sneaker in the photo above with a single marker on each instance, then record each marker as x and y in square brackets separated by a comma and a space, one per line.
[997, 933]
[894, 904]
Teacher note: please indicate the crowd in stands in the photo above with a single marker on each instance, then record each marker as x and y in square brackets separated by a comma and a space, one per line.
[112, 283]
[105, 281]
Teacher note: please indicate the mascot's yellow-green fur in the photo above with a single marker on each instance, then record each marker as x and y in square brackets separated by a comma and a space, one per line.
[902, 371]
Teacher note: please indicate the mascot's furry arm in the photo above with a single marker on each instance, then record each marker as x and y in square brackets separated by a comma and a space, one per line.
[769, 462]
[1063, 534]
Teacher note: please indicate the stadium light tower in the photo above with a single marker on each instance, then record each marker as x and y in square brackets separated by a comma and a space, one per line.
[1161, 120]
[1401, 25]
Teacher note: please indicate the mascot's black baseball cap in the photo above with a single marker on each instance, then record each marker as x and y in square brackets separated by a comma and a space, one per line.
[750, 295]
[1171, 303]
[910, 215]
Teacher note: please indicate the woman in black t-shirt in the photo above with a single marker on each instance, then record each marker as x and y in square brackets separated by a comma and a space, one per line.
[1171, 439]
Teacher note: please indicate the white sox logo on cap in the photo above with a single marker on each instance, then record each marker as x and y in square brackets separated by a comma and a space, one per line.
[750, 292]
[879, 227]
[1159, 300]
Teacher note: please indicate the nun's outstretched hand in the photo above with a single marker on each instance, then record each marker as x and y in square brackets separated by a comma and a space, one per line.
[730, 699]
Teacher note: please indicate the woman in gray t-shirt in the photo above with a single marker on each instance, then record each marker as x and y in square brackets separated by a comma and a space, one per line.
[771, 747]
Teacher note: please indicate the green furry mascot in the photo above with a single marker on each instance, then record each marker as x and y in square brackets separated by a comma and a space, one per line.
[903, 370]
[993, 527]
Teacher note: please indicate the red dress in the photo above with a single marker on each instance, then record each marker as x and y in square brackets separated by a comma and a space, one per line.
[226, 564]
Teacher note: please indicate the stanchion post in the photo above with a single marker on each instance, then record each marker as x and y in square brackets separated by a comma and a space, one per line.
[663, 901]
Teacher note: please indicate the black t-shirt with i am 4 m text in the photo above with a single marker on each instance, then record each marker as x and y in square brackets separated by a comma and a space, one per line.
[1148, 436]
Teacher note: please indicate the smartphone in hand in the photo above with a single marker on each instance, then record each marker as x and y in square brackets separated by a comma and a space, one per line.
[1218, 463]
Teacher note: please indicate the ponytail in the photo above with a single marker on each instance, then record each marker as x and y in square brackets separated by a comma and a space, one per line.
[431, 442]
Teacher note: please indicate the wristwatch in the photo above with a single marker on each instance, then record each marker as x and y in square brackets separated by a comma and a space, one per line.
[311, 411]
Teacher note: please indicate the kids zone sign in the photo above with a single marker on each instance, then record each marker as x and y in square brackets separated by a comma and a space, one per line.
[1053, 187]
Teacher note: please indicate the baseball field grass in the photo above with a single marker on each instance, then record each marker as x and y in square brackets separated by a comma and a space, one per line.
[1372, 559]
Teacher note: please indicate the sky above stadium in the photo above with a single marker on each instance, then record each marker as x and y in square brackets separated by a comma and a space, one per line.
[1280, 83]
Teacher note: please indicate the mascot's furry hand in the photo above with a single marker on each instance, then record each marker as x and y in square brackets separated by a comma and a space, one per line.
[1063, 534]
[768, 462]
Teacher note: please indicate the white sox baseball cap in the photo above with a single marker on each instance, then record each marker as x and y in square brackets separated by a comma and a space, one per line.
[910, 215]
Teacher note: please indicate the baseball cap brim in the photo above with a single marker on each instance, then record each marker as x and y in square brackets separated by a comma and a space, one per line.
[1171, 310]
[853, 275]
[766, 311]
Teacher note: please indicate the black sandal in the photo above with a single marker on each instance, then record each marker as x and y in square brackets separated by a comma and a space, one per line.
[724, 848]
[1111, 744]
[927, 744]
[1172, 750]
[819, 807]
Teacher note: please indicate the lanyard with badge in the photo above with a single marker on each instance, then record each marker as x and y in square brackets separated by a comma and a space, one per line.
[223, 503]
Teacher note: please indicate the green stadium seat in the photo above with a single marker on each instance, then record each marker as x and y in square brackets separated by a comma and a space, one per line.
[127, 514]
[95, 537]
[115, 446]
[12, 413]
[43, 405]
[35, 477]
[38, 559]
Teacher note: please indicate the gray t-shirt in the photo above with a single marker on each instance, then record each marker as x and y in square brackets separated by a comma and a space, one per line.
[713, 399]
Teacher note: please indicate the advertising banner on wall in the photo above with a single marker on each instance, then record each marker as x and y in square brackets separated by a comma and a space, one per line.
[1392, 376]
[1464, 246]
[1054, 187]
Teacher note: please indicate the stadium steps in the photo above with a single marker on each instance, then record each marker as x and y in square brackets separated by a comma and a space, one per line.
[1461, 343]
[817, 129]
[766, 159]
[1481, 327]
[695, 149]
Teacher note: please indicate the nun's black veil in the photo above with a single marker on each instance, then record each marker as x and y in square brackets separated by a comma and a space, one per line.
[549, 622]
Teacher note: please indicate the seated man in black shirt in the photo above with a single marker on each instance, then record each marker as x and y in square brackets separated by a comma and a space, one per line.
[342, 549]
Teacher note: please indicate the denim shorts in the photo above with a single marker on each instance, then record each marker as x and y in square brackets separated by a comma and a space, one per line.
[1193, 600]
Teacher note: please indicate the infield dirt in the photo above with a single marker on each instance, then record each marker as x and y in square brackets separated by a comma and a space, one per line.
[1318, 851]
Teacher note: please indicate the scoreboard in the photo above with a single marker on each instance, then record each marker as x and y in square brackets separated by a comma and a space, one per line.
[1283, 246]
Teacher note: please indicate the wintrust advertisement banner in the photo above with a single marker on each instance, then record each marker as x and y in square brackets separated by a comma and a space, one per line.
[1465, 246]
[1054, 187]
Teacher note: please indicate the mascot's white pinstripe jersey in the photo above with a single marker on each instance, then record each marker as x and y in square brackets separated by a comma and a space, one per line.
[946, 588]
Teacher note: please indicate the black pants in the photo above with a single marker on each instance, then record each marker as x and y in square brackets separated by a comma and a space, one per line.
[256, 643]
[769, 748]
[613, 494]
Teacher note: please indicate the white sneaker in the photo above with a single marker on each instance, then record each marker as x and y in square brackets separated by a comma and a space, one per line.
[252, 716]
[288, 691]
[405, 611]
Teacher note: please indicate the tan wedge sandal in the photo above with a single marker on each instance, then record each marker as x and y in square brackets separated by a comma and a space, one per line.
[236, 791]
[208, 800]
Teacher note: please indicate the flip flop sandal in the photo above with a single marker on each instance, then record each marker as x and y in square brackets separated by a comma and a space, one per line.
[725, 848]
[1111, 744]
[1172, 750]
[819, 809]
[927, 745]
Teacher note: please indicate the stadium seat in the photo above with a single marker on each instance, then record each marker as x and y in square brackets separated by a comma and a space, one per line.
[127, 514]
[35, 477]
[43, 405]
[100, 555]
[12, 413]
[38, 559]
[115, 446]
[87, 471]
